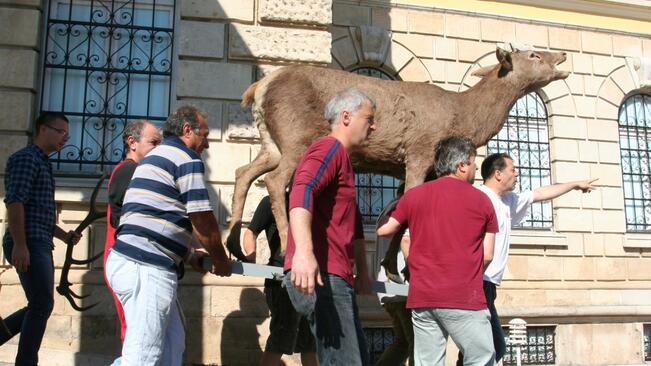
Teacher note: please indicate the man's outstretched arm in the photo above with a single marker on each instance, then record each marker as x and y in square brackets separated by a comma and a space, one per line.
[555, 190]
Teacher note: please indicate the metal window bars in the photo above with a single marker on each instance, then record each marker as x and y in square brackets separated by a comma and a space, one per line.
[105, 63]
[539, 350]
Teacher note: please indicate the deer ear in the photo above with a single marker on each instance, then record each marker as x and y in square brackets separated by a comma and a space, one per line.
[483, 71]
[504, 57]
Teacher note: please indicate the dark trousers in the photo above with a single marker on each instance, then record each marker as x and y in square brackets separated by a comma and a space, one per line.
[334, 320]
[490, 291]
[30, 321]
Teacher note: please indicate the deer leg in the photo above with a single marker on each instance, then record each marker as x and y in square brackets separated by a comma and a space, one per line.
[266, 160]
[277, 181]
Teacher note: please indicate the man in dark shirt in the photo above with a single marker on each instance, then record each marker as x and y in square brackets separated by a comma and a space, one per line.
[289, 332]
[28, 243]
[139, 138]
[326, 236]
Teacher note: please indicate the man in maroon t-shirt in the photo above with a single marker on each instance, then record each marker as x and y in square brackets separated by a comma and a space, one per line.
[325, 234]
[452, 229]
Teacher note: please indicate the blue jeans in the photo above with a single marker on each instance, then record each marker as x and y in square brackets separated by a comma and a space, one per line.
[334, 320]
[30, 321]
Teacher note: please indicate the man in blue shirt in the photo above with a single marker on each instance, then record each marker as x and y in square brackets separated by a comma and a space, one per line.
[165, 205]
[28, 243]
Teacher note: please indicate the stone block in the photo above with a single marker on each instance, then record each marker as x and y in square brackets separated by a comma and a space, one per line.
[436, 69]
[15, 110]
[603, 130]
[471, 51]
[18, 68]
[351, 15]
[426, 22]
[398, 56]
[594, 42]
[610, 92]
[604, 65]
[17, 27]
[461, 26]
[212, 80]
[564, 39]
[567, 127]
[588, 151]
[639, 268]
[555, 90]
[545, 268]
[201, 39]
[316, 12]
[238, 155]
[578, 269]
[563, 149]
[420, 45]
[646, 47]
[612, 198]
[414, 71]
[582, 63]
[493, 30]
[517, 268]
[590, 200]
[58, 332]
[616, 343]
[627, 46]
[593, 84]
[12, 143]
[593, 244]
[571, 199]
[624, 79]
[195, 300]
[610, 269]
[609, 175]
[573, 220]
[567, 172]
[606, 110]
[240, 124]
[609, 153]
[241, 10]
[253, 42]
[563, 106]
[27, 3]
[570, 298]
[394, 19]
[343, 51]
[445, 48]
[238, 302]
[456, 71]
[609, 221]
[614, 246]
[213, 108]
[575, 83]
[535, 35]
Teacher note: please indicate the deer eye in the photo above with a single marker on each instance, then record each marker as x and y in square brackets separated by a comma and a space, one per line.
[534, 55]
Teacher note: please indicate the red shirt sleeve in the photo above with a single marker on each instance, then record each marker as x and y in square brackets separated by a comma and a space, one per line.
[318, 168]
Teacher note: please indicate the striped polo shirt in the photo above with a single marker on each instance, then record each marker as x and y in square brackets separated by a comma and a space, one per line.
[166, 187]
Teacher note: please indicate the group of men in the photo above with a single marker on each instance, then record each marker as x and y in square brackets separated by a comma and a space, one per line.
[456, 240]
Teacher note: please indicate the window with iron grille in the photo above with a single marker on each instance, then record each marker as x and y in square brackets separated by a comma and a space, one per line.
[377, 340]
[374, 191]
[634, 138]
[105, 63]
[539, 350]
[525, 137]
[647, 342]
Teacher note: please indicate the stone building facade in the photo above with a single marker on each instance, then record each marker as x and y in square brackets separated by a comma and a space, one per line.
[581, 277]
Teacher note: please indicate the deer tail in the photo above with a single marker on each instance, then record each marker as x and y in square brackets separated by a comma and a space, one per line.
[249, 94]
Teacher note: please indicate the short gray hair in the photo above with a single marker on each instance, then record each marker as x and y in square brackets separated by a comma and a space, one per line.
[176, 120]
[133, 129]
[451, 152]
[350, 100]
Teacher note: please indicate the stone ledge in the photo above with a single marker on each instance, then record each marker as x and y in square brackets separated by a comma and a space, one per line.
[534, 238]
[315, 12]
[637, 241]
[574, 311]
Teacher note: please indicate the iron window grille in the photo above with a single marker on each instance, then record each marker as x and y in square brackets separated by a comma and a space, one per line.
[377, 340]
[647, 342]
[105, 63]
[539, 350]
[525, 137]
[374, 191]
[634, 138]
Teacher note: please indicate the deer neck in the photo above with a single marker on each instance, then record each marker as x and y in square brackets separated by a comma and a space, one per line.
[487, 105]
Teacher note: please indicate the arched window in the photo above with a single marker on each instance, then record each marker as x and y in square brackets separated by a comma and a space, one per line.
[525, 136]
[634, 138]
[374, 191]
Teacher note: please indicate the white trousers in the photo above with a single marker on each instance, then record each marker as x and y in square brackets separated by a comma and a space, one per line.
[155, 334]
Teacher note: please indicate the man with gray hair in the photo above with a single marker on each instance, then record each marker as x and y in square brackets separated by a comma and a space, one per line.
[325, 234]
[452, 228]
[165, 205]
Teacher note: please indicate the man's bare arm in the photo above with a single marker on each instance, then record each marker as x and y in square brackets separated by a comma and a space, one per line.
[249, 244]
[20, 253]
[206, 230]
[489, 248]
[405, 243]
[555, 190]
[390, 227]
[305, 269]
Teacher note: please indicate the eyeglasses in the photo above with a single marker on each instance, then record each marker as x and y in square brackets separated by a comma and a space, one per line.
[60, 131]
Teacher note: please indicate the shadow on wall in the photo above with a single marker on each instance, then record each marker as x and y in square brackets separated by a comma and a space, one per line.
[240, 340]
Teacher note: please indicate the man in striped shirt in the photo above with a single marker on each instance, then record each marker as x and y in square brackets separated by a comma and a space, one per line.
[166, 203]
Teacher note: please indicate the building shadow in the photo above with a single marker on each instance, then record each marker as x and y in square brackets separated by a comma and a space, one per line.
[240, 339]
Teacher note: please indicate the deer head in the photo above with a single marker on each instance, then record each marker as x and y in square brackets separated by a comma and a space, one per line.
[527, 70]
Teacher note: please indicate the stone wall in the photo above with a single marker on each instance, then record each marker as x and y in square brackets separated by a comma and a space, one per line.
[586, 275]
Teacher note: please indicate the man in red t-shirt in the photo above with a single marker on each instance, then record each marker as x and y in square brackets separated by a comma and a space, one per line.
[325, 234]
[139, 138]
[452, 229]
